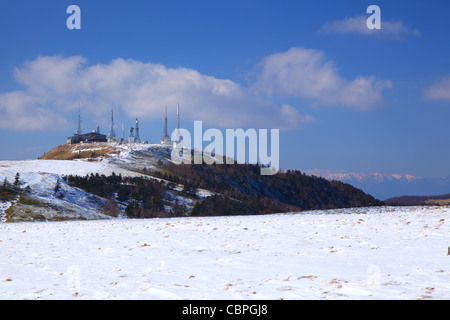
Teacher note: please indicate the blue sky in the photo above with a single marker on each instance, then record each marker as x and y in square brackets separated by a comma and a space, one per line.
[346, 99]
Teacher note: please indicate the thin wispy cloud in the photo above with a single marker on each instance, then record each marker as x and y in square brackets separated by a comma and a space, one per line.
[358, 25]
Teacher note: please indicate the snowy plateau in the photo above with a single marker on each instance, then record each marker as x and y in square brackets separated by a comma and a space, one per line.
[392, 253]
[376, 253]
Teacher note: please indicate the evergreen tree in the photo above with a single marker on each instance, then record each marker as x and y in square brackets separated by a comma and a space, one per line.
[179, 209]
[17, 180]
[28, 190]
[57, 186]
[190, 190]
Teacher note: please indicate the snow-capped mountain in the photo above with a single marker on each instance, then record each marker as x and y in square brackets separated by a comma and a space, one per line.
[385, 186]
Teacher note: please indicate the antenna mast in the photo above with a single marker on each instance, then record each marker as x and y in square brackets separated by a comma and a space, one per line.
[166, 139]
[79, 132]
[165, 126]
[112, 134]
[137, 139]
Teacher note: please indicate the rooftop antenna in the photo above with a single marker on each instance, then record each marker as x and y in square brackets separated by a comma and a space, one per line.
[79, 132]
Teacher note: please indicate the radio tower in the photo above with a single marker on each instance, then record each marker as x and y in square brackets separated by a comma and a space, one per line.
[178, 136]
[79, 132]
[166, 139]
[165, 126]
[112, 134]
[137, 139]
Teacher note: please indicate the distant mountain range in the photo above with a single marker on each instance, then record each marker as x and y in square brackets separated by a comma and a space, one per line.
[384, 186]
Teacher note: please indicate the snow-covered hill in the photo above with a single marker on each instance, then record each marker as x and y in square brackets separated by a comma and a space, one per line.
[376, 253]
[43, 192]
[41, 176]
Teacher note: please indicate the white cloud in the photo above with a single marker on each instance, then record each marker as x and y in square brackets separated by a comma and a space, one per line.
[306, 73]
[22, 111]
[358, 25]
[439, 90]
[54, 85]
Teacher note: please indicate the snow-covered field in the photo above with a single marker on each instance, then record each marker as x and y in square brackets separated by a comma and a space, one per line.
[377, 253]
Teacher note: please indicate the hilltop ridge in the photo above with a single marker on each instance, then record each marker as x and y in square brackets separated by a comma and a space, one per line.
[111, 180]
